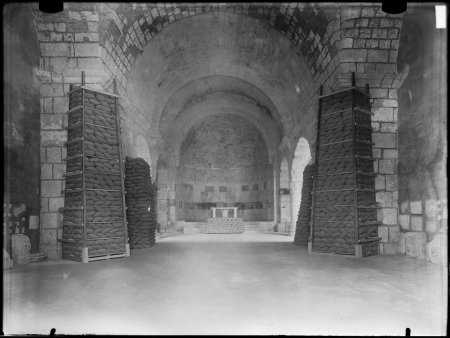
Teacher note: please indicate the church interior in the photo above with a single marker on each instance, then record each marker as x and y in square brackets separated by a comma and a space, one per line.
[225, 168]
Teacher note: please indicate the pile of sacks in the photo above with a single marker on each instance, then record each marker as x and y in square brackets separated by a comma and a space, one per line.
[140, 199]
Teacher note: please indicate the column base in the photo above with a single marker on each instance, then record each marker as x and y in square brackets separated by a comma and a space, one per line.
[358, 251]
[309, 247]
[84, 255]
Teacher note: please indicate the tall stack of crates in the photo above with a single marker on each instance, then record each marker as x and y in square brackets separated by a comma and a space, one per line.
[94, 222]
[344, 211]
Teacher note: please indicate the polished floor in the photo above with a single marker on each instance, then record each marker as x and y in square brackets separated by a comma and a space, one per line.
[249, 284]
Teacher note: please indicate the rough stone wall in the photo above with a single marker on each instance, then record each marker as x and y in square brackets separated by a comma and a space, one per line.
[223, 162]
[22, 169]
[422, 129]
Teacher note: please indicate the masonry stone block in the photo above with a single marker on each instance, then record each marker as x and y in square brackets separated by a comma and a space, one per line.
[380, 182]
[382, 114]
[383, 233]
[90, 16]
[60, 26]
[404, 207]
[87, 49]
[353, 55]
[377, 55]
[401, 244]
[416, 223]
[388, 127]
[387, 215]
[347, 43]
[56, 49]
[395, 198]
[53, 251]
[58, 171]
[46, 171]
[391, 182]
[378, 92]
[388, 248]
[388, 166]
[415, 207]
[20, 249]
[50, 188]
[394, 232]
[376, 153]
[430, 208]
[45, 26]
[438, 249]
[54, 203]
[44, 204]
[380, 33]
[86, 37]
[50, 220]
[48, 237]
[390, 153]
[431, 225]
[384, 199]
[90, 63]
[415, 245]
[60, 105]
[49, 90]
[54, 155]
[57, 64]
[384, 140]
[51, 122]
[53, 138]
[48, 105]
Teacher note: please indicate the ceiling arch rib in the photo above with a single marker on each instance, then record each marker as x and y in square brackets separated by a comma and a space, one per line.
[215, 87]
[126, 28]
[239, 46]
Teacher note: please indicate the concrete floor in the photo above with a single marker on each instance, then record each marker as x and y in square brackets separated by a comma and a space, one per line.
[227, 284]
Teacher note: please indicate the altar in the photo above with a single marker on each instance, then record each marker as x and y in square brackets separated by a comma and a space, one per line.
[225, 211]
[225, 224]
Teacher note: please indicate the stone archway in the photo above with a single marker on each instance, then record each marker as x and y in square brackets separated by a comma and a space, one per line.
[142, 150]
[285, 198]
[162, 185]
[302, 157]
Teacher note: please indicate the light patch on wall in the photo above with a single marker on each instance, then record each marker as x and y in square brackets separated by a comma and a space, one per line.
[441, 16]
[297, 89]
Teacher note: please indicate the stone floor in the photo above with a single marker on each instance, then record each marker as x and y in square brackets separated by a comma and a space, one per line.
[251, 284]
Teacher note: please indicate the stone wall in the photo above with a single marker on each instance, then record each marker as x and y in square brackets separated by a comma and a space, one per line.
[224, 162]
[22, 171]
[422, 134]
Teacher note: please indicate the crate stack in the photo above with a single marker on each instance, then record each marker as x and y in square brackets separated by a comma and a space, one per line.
[225, 225]
[304, 214]
[344, 211]
[140, 198]
[94, 222]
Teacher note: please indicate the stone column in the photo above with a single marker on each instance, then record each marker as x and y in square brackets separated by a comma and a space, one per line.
[214, 212]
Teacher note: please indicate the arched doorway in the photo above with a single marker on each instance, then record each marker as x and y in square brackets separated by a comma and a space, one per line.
[162, 180]
[285, 198]
[302, 157]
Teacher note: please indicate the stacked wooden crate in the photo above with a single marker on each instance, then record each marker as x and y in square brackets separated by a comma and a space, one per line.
[302, 228]
[140, 198]
[225, 225]
[94, 223]
[344, 212]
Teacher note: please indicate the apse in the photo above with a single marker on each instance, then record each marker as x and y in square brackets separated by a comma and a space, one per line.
[224, 162]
